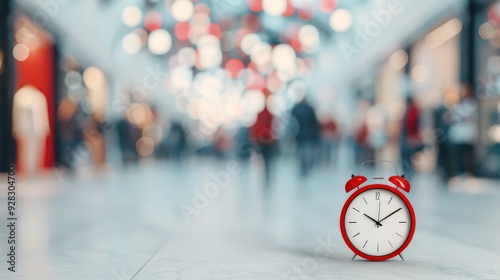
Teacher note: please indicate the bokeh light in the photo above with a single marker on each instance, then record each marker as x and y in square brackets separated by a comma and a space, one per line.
[131, 43]
[182, 30]
[283, 57]
[145, 146]
[274, 7]
[182, 10]
[419, 73]
[209, 52]
[214, 29]
[131, 16]
[443, 33]
[153, 21]
[486, 31]
[254, 100]
[276, 104]
[180, 79]
[248, 42]
[341, 20]
[327, 6]
[234, 67]
[21, 52]
[494, 133]
[159, 42]
[306, 10]
[398, 60]
[309, 38]
[139, 114]
[290, 9]
[255, 5]
[493, 64]
[297, 90]
[251, 22]
[261, 53]
[94, 78]
[494, 13]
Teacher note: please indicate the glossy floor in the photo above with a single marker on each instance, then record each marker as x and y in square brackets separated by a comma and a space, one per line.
[133, 224]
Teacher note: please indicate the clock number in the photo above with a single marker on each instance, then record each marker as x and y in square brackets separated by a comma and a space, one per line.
[377, 196]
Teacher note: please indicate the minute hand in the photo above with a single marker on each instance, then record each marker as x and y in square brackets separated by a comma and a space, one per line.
[390, 215]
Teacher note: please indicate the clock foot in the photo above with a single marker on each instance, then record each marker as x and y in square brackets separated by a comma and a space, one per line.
[401, 256]
[353, 257]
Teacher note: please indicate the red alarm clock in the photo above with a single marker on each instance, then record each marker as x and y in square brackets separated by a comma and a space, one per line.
[377, 221]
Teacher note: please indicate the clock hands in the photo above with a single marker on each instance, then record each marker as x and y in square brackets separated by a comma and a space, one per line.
[389, 215]
[377, 223]
[378, 215]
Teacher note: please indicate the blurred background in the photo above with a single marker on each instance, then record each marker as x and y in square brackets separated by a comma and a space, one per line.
[139, 104]
[104, 84]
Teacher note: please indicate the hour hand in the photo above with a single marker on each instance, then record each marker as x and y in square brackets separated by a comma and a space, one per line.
[376, 222]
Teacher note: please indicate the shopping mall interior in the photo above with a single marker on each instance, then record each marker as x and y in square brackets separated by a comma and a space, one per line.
[234, 139]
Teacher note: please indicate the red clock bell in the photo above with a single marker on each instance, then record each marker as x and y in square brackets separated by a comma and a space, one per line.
[377, 221]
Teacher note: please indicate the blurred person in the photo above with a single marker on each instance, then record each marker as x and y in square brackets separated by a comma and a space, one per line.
[70, 117]
[411, 141]
[262, 140]
[363, 151]
[330, 136]
[30, 125]
[361, 134]
[154, 130]
[442, 124]
[378, 139]
[494, 148]
[308, 135]
[243, 146]
[93, 133]
[463, 133]
[222, 143]
[176, 141]
[128, 149]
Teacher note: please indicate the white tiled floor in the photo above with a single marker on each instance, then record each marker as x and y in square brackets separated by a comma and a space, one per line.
[126, 224]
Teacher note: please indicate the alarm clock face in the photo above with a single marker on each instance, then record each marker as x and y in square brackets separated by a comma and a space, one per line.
[378, 222]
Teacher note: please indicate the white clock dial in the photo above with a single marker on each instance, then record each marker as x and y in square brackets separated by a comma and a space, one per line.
[377, 222]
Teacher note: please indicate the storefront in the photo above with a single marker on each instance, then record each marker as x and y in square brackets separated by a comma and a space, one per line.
[486, 55]
[27, 100]
[6, 141]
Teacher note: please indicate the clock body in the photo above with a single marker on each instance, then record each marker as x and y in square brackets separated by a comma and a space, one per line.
[377, 222]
